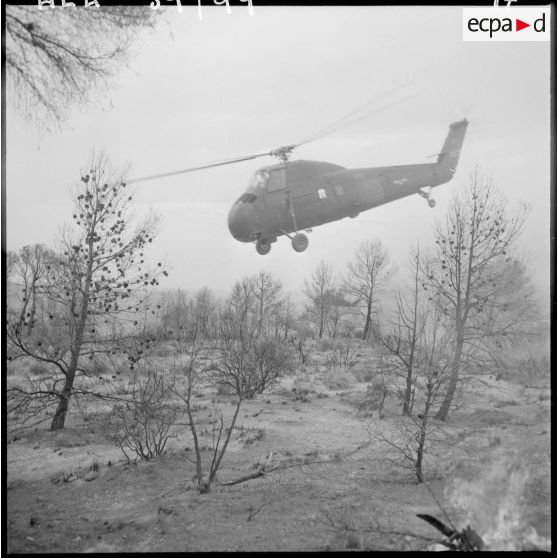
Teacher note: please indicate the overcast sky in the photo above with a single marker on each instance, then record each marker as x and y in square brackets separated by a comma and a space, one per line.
[232, 85]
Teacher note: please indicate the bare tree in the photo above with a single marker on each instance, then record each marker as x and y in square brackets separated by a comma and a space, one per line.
[58, 57]
[242, 361]
[247, 363]
[366, 273]
[320, 290]
[404, 337]
[190, 340]
[100, 275]
[412, 437]
[472, 245]
[252, 308]
[267, 292]
[174, 311]
[28, 269]
[283, 321]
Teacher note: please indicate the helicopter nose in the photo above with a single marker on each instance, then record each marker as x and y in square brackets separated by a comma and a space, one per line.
[240, 220]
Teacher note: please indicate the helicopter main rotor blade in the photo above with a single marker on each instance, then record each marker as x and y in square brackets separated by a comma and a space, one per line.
[283, 152]
[354, 117]
[201, 167]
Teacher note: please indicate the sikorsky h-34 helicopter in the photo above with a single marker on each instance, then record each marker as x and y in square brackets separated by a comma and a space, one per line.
[294, 196]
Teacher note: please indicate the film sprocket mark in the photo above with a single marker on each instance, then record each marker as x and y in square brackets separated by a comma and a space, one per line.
[154, 4]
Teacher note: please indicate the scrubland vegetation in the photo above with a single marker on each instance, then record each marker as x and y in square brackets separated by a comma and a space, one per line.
[148, 419]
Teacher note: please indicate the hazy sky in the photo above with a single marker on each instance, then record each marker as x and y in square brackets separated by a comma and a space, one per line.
[232, 85]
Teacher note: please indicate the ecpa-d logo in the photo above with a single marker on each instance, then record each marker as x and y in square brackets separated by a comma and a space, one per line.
[502, 24]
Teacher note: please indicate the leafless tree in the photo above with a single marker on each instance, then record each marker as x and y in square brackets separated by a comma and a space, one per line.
[267, 292]
[473, 246]
[100, 275]
[28, 271]
[338, 308]
[242, 361]
[178, 310]
[404, 337]
[283, 320]
[321, 290]
[247, 366]
[366, 273]
[410, 436]
[56, 57]
[190, 340]
[174, 310]
[252, 308]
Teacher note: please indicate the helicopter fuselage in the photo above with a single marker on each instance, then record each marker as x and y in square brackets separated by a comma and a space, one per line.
[299, 195]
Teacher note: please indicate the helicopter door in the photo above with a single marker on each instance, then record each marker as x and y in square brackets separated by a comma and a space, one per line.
[275, 198]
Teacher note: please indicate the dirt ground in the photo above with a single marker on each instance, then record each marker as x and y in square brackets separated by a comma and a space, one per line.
[330, 497]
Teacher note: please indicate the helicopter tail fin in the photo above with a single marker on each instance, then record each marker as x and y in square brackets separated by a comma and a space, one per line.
[449, 156]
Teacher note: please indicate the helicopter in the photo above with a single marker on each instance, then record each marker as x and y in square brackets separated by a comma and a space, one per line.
[289, 197]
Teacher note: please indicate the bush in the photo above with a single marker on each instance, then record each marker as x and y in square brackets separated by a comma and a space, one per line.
[249, 368]
[365, 375]
[338, 382]
[302, 394]
[250, 435]
[374, 397]
[141, 426]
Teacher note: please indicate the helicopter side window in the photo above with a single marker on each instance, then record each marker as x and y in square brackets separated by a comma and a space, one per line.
[322, 194]
[247, 198]
[276, 180]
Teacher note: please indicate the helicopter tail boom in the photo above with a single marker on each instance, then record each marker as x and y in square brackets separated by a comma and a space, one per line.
[449, 156]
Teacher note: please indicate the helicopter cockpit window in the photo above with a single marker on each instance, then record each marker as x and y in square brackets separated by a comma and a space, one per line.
[258, 180]
[276, 180]
[247, 198]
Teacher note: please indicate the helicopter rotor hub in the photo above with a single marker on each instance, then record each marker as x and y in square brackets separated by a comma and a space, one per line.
[282, 153]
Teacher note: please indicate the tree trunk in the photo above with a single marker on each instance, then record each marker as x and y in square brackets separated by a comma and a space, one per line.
[452, 384]
[367, 323]
[408, 390]
[407, 403]
[420, 448]
[59, 418]
[217, 460]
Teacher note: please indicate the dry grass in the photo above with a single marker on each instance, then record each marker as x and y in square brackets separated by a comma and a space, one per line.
[154, 507]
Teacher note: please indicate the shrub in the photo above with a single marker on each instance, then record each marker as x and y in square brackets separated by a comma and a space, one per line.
[374, 397]
[302, 394]
[250, 435]
[248, 368]
[338, 382]
[141, 426]
[365, 375]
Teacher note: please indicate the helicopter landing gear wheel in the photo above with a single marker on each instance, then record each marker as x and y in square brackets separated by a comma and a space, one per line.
[299, 242]
[263, 247]
[431, 203]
